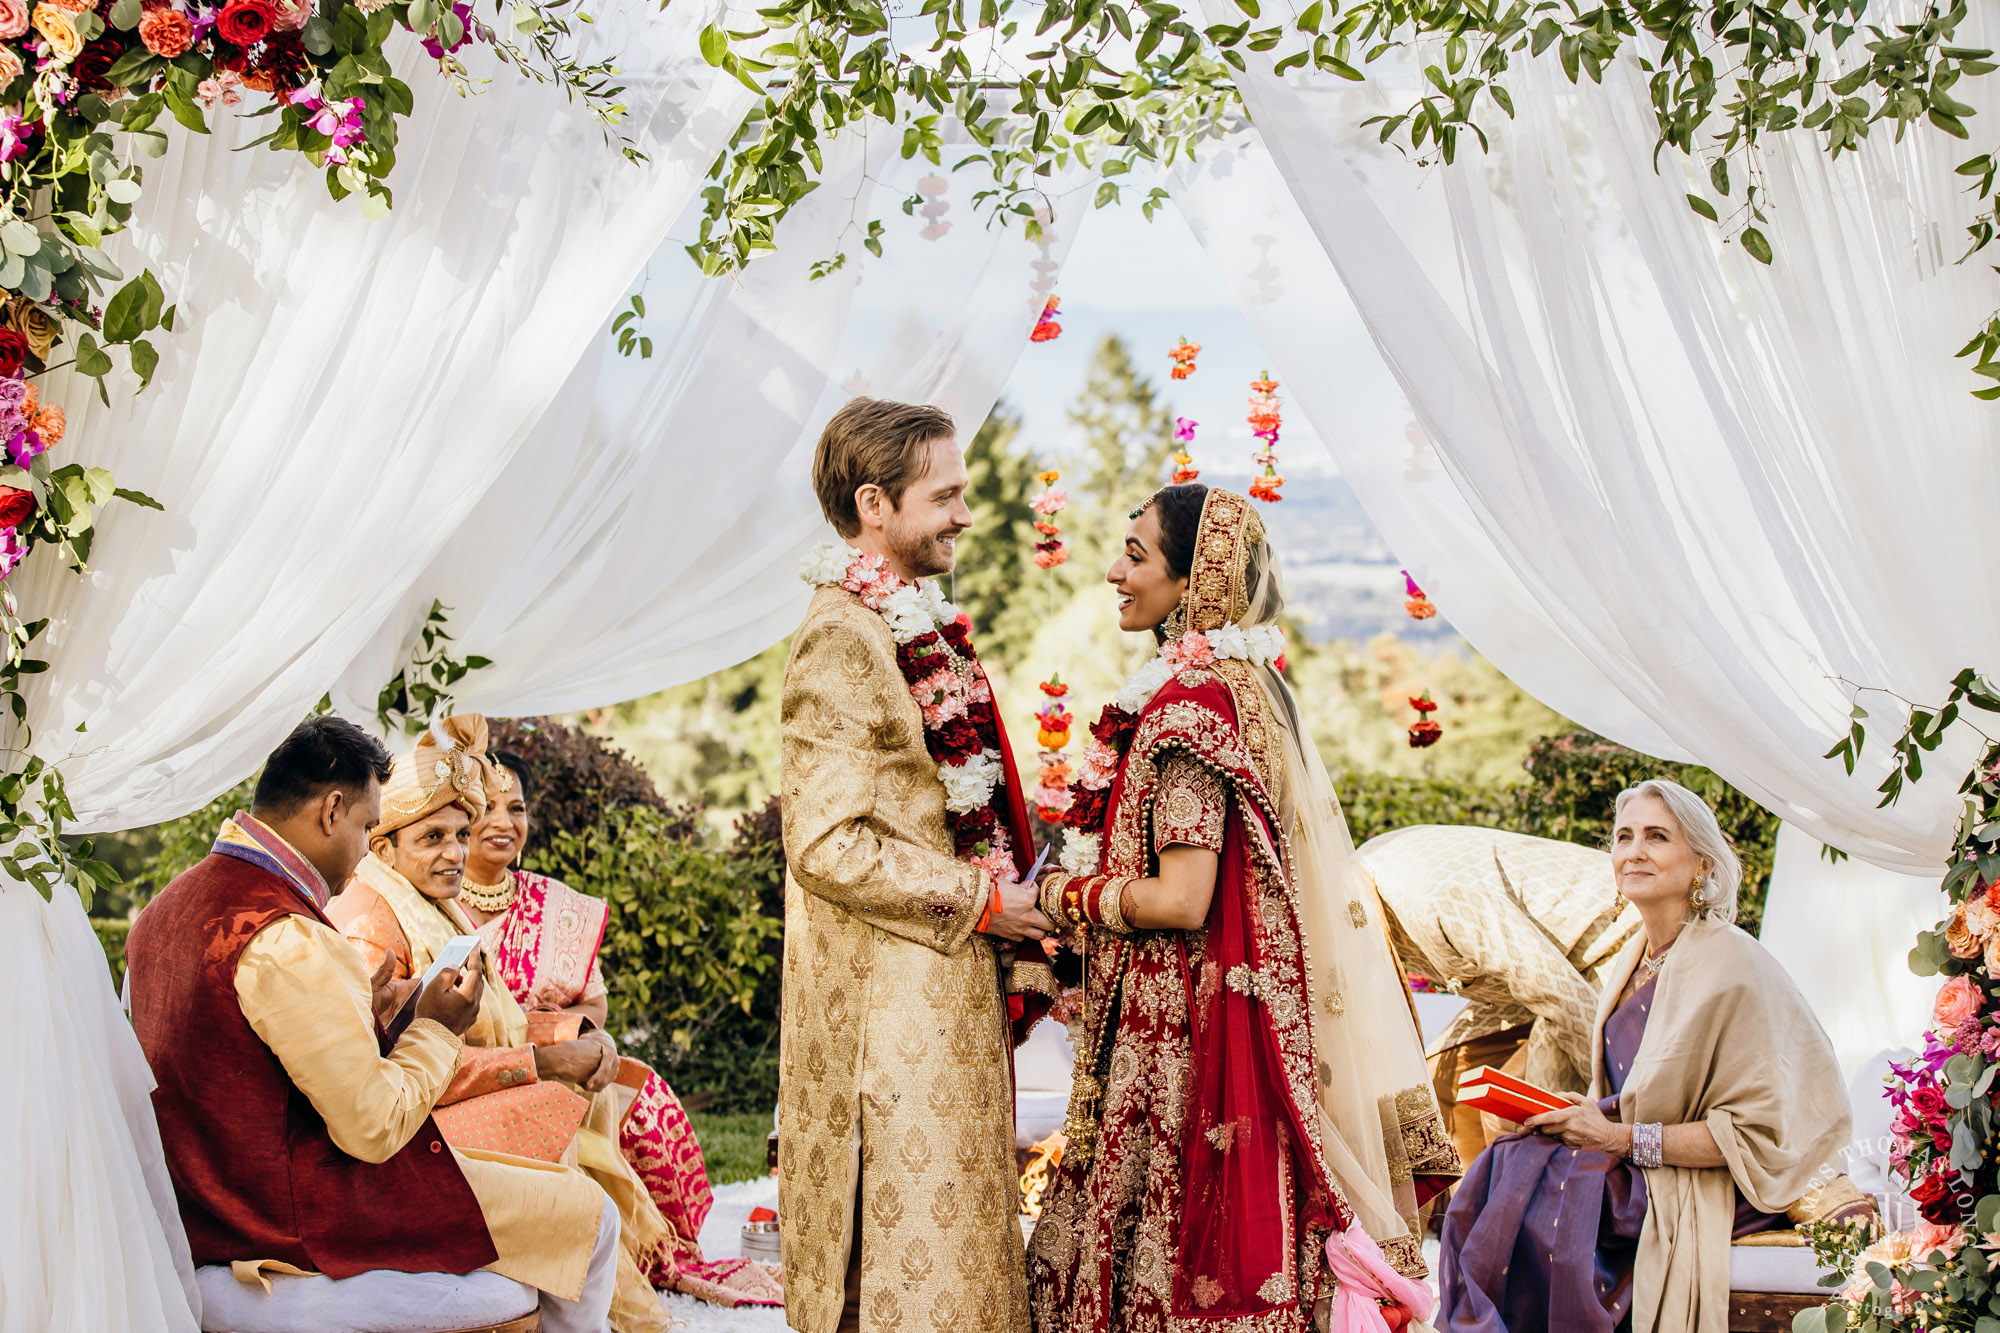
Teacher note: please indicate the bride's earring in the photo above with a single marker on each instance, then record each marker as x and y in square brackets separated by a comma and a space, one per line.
[1175, 624]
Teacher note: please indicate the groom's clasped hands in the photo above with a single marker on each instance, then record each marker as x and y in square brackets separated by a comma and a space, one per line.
[1018, 915]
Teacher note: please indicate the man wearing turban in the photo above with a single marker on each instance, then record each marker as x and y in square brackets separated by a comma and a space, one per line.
[399, 913]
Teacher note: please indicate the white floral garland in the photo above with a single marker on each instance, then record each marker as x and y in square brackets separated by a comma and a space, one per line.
[911, 611]
[1259, 645]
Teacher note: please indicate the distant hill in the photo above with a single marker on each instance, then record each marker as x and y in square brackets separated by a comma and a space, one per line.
[1341, 578]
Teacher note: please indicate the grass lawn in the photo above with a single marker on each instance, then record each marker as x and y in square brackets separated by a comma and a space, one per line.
[732, 1145]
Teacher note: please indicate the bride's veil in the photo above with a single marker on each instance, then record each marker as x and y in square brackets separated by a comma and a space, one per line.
[1378, 1114]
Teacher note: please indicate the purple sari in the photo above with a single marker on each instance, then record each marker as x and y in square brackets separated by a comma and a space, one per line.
[1540, 1236]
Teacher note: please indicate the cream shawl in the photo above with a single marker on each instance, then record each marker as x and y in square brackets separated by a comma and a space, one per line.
[1732, 1044]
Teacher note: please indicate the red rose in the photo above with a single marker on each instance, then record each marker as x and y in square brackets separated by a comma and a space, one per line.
[956, 739]
[15, 505]
[1930, 1103]
[245, 22]
[13, 351]
[94, 63]
[1933, 1197]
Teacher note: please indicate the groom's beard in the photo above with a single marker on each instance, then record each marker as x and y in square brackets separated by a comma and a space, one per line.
[923, 554]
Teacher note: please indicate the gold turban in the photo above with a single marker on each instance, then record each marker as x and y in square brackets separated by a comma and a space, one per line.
[448, 767]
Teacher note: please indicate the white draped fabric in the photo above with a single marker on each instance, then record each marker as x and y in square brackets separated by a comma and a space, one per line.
[1844, 930]
[326, 371]
[90, 1241]
[651, 534]
[334, 393]
[1724, 487]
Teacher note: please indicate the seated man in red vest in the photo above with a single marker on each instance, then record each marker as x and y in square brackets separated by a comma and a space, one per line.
[297, 1137]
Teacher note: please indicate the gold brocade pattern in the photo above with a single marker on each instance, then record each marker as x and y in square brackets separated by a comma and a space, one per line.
[893, 1052]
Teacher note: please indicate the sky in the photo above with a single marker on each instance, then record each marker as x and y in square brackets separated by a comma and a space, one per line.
[1149, 283]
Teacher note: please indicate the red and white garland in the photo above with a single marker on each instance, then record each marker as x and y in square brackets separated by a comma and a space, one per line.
[961, 728]
[1090, 792]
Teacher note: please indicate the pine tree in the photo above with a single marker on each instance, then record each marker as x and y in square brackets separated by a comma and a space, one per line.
[1128, 444]
[996, 574]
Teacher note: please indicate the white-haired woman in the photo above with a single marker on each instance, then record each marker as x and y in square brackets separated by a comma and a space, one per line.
[1721, 1109]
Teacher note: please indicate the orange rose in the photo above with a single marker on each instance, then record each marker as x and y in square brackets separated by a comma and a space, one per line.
[1958, 936]
[50, 421]
[166, 32]
[54, 26]
[1957, 1000]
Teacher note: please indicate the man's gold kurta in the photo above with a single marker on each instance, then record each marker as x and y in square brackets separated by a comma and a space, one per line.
[894, 1057]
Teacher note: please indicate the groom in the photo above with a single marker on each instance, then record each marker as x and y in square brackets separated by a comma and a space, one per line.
[897, 1195]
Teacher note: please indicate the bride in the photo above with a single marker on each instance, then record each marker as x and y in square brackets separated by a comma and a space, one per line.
[1249, 1083]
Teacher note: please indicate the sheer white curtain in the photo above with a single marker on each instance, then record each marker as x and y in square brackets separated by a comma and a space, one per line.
[1724, 486]
[325, 371]
[328, 376]
[655, 536]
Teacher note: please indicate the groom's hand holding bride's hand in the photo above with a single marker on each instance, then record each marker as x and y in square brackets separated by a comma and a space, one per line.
[1018, 917]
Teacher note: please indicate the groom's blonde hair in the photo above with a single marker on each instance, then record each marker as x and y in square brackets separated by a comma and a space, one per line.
[873, 441]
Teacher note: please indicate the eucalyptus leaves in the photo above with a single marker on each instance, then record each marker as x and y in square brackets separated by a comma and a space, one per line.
[1106, 84]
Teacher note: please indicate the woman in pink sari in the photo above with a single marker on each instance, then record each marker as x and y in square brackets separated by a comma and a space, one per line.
[543, 937]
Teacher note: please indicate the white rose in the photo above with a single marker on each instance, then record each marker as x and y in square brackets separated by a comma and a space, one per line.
[1080, 852]
[1229, 641]
[941, 609]
[826, 564]
[906, 613]
[1145, 683]
[969, 785]
[1266, 643]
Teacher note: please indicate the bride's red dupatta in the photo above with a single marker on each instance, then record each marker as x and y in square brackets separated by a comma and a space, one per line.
[1253, 1175]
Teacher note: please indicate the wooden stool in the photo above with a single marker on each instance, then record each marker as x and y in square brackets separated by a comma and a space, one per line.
[1768, 1311]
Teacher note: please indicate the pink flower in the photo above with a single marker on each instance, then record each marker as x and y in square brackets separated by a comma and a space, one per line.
[12, 548]
[943, 695]
[13, 19]
[1957, 1000]
[17, 133]
[1184, 428]
[1191, 652]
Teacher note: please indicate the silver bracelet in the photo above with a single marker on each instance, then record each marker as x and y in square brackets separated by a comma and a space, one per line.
[1648, 1146]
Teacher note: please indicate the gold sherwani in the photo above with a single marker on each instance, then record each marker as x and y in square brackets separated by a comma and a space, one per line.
[1520, 925]
[894, 1055]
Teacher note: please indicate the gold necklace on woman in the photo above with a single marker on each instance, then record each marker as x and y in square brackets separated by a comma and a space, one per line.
[1650, 965]
[492, 899]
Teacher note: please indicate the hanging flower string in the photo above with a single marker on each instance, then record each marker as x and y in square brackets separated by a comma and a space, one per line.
[1184, 468]
[1424, 732]
[1264, 422]
[1045, 325]
[1183, 357]
[1052, 727]
[1049, 551]
[1419, 606]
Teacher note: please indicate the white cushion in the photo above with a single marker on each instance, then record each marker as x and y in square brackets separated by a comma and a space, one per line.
[1782, 1268]
[377, 1302]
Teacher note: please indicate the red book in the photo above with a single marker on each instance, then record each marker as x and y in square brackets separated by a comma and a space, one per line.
[1484, 1088]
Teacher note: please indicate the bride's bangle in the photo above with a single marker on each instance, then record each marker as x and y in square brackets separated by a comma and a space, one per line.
[1060, 899]
[1648, 1146]
[1104, 904]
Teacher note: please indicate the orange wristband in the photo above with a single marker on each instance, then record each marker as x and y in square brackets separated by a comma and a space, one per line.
[992, 906]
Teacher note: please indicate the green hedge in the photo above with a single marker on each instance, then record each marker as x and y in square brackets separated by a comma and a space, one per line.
[1569, 792]
[111, 935]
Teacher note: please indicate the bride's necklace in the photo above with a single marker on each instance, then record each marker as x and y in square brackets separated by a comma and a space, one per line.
[492, 899]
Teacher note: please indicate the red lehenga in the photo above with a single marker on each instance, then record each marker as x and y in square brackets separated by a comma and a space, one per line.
[1244, 1090]
[544, 947]
[1206, 1195]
